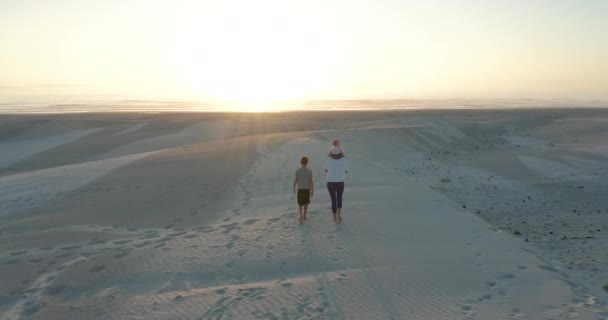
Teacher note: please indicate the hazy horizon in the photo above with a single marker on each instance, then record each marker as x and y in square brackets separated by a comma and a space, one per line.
[269, 50]
[104, 105]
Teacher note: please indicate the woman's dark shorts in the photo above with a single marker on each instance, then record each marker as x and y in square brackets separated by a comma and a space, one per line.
[303, 197]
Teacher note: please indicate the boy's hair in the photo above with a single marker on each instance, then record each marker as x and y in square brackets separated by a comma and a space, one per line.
[304, 160]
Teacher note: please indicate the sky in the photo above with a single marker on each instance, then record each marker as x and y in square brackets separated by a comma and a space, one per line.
[263, 50]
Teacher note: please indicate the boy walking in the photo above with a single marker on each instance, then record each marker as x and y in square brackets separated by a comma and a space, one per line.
[303, 179]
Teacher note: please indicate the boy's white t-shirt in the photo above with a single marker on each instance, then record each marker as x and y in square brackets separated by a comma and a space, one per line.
[336, 169]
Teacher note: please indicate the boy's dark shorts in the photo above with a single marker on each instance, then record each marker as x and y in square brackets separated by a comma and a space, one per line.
[303, 197]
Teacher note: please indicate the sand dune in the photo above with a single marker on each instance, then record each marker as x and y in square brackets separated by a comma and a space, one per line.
[34, 188]
[448, 215]
[30, 143]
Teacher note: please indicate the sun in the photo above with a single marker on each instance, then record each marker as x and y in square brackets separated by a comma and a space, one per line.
[250, 67]
[254, 77]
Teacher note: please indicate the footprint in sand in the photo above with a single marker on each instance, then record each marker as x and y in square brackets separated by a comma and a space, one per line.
[230, 264]
[548, 268]
[485, 297]
[121, 241]
[12, 261]
[507, 276]
[143, 244]
[54, 290]
[72, 247]
[250, 221]
[64, 255]
[121, 255]
[466, 308]
[515, 314]
[341, 276]
[204, 229]
[165, 239]
[271, 220]
[229, 227]
[30, 308]
[97, 268]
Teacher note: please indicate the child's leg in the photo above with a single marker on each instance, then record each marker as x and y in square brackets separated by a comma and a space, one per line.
[305, 211]
[301, 218]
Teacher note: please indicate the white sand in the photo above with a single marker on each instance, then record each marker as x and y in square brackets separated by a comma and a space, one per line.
[208, 229]
[25, 146]
[34, 188]
[196, 133]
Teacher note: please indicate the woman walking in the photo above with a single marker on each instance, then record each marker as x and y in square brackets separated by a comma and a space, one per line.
[336, 168]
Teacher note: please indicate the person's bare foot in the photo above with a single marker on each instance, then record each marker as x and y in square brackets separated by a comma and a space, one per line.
[301, 220]
[339, 218]
[335, 217]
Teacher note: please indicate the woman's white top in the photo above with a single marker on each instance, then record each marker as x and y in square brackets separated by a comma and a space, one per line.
[336, 169]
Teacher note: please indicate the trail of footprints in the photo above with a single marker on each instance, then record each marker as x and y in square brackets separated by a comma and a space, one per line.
[496, 291]
[49, 257]
[313, 305]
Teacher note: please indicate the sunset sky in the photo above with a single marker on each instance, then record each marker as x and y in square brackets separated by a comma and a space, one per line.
[315, 49]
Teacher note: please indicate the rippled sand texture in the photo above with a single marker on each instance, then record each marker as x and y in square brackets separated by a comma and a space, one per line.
[461, 214]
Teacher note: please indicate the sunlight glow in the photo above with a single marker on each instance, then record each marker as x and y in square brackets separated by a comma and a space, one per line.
[251, 53]
[253, 58]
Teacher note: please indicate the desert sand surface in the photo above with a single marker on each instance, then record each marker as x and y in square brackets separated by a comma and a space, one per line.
[448, 214]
